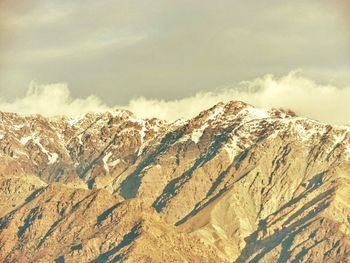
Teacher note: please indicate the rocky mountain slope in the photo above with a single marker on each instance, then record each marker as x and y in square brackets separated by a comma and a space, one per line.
[234, 184]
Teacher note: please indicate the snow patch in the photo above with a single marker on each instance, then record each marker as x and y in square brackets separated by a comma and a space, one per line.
[114, 163]
[143, 143]
[255, 113]
[338, 138]
[143, 131]
[105, 160]
[119, 113]
[198, 133]
[74, 121]
[107, 164]
[217, 111]
[18, 127]
[53, 158]
[304, 133]
[25, 139]
[232, 148]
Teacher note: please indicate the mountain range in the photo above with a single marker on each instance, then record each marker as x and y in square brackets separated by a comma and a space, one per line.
[233, 184]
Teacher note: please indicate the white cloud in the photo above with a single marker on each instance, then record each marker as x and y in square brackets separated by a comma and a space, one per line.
[51, 100]
[293, 91]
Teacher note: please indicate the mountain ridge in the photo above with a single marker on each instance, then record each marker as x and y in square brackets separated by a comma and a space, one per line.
[234, 183]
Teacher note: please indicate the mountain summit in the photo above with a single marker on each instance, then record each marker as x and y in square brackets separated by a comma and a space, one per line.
[233, 184]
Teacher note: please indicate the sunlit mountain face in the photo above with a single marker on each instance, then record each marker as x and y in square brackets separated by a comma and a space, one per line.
[233, 184]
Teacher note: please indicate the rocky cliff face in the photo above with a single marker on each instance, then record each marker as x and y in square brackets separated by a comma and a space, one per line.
[234, 184]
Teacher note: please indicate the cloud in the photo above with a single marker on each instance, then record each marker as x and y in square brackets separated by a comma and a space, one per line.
[293, 91]
[51, 100]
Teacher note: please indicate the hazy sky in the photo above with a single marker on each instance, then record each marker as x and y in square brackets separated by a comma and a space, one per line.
[119, 50]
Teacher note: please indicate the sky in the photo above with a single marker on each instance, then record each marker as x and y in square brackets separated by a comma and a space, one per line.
[102, 54]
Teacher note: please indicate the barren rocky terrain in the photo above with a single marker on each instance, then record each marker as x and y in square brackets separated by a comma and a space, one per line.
[234, 184]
